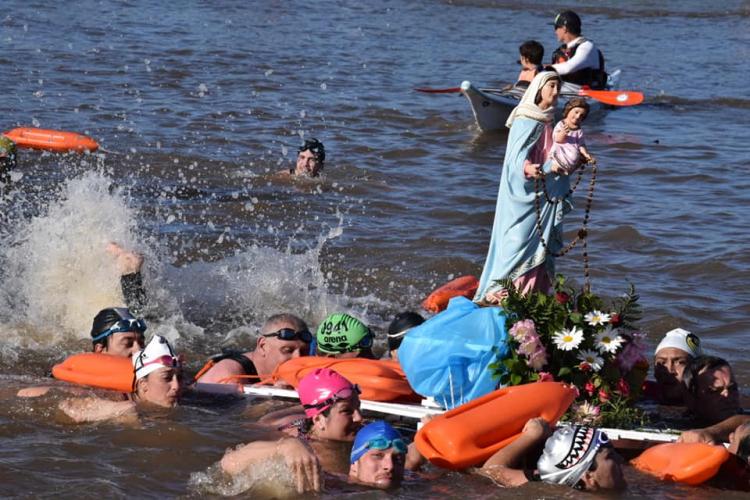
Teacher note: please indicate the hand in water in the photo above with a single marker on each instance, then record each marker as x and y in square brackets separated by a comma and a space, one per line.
[304, 464]
[128, 262]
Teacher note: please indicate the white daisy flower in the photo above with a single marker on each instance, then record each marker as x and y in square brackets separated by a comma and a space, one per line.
[597, 318]
[591, 358]
[608, 341]
[568, 339]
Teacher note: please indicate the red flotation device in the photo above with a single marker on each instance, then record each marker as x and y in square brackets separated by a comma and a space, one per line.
[379, 380]
[687, 463]
[471, 433]
[51, 140]
[97, 370]
[464, 286]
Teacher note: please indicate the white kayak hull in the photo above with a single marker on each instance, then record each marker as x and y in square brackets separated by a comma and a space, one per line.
[491, 107]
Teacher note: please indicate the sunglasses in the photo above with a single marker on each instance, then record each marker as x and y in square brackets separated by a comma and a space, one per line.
[124, 325]
[166, 360]
[341, 395]
[289, 334]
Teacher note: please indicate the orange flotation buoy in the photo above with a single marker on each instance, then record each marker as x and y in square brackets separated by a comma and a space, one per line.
[379, 380]
[471, 433]
[463, 286]
[687, 463]
[51, 140]
[97, 370]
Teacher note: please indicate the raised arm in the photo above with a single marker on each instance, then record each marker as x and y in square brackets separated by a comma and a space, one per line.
[131, 281]
[507, 465]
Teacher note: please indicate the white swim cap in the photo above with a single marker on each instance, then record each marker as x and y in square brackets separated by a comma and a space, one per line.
[682, 340]
[157, 354]
[569, 453]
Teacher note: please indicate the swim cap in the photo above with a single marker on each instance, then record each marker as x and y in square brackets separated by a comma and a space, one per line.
[157, 354]
[402, 323]
[682, 340]
[341, 333]
[569, 453]
[378, 435]
[316, 148]
[321, 388]
[114, 320]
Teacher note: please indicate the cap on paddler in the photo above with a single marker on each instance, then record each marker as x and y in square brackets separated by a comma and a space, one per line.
[569, 453]
[340, 333]
[157, 354]
[682, 340]
[321, 388]
[378, 435]
[570, 20]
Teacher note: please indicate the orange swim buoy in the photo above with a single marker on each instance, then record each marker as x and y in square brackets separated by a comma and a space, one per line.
[51, 140]
[379, 380]
[97, 370]
[687, 463]
[463, 286]
[471, 433]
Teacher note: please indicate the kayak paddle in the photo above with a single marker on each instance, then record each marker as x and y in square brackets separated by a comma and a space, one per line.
[613, 97]
[452, 90]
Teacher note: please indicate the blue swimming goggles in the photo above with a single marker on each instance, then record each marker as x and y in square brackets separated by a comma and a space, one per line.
[124, 325]
[379, 444]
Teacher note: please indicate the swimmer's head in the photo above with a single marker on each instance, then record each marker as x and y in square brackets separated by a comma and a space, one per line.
[378, 456]
[331, 404]
[341, 335]
[402, 323]
[158, 373]
[310, 158]
[116, 331]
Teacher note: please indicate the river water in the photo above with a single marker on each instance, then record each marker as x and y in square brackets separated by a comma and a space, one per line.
[197, 105]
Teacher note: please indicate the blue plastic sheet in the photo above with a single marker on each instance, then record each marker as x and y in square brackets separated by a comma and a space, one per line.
[447, 357]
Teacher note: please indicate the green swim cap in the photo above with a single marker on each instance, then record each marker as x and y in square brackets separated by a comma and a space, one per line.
[341, 333]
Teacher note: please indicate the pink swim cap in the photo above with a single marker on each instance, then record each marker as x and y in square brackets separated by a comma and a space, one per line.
[321, 388]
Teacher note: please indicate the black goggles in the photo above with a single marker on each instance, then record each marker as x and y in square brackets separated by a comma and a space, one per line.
[290, 334]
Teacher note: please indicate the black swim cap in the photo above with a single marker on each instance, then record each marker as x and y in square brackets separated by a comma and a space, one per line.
[401, 323]
[316, 147]
[106, 318]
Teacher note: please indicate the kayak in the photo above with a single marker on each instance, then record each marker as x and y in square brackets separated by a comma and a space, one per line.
[491, 107]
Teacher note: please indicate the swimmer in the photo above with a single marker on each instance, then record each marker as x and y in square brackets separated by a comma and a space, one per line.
[576, 456]
[672, 355]
[311, 158]
[117, 332]
[158, 384]
[378, 457]
[401, 324]
[343, 336]
[282, 337]
[327, 428]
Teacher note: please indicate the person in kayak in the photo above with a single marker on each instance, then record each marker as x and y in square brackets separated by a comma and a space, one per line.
[531, 54]
[577, 456]
[399, 327]
[341, 335]
[282, 337]
[311, 157]
[158, 383]
[524, 240]
[674, 352]
[577, 60]
[569, 149]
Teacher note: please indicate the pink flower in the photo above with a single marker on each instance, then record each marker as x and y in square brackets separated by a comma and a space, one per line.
[589, 387]
[603, 396]
[545, 377]
[529, 344]
[538, 359]
[632, 352]
[623, 387]
[521, 329]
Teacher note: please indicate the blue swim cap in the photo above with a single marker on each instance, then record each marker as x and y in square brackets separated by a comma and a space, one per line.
[378, 435]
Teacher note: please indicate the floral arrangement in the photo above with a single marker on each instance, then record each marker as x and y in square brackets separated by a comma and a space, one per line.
[578, 338]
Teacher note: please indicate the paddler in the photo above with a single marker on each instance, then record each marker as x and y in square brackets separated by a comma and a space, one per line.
[577, 60]
[7, 159]
[341, 335]
[282, 337]
[577, 456]
[158, 383]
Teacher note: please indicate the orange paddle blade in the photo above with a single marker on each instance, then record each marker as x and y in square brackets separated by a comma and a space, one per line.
[614, 97]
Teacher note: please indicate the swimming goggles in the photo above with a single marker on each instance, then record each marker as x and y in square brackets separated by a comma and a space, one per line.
[289, 334]
[166, 360]
[341, 395]
[124, 325]
[382, 444]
